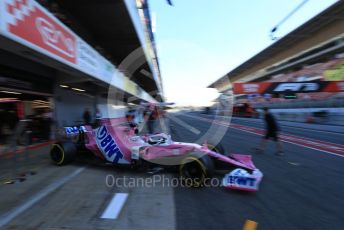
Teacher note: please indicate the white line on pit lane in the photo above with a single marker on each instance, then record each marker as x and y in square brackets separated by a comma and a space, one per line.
[288, 126]
[292, 127]
[115, 206]
[184, 124]
[293, 143]
[8, 217]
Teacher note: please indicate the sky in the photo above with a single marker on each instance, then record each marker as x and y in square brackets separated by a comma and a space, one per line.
[199, 41]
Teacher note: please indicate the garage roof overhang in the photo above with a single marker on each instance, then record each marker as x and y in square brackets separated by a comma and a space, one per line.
[109, 25]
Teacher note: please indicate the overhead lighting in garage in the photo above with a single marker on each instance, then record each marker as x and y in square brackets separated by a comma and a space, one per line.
[77, 89]
[64, 86]
[10, 92]
[8, 99]
[40, 102]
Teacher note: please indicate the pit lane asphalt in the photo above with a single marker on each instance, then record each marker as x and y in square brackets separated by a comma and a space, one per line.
[318, 134]
[76, 195]
[333, 137]
[301, 190]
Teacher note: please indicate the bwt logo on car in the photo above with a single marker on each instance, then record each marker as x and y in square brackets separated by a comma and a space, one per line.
[239, 177]
[74, 130]
[244, 181]
[108, 145]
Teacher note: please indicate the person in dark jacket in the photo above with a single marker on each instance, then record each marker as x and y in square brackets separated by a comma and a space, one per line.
[87, 116]
[152, 117]
[271, 132]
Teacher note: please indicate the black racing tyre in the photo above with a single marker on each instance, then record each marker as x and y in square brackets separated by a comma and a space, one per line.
[63, 153]
[216, 148]
[195, 169]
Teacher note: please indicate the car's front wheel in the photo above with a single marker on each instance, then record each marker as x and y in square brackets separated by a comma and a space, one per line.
[195, 169]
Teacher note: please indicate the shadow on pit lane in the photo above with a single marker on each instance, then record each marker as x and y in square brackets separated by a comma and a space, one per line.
[91, 161]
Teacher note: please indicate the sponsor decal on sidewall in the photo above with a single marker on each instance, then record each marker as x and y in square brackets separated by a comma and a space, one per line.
[108, 146]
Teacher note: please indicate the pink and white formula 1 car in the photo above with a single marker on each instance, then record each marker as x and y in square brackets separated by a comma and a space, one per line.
[116, 142]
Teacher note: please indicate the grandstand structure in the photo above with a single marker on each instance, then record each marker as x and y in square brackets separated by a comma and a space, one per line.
[312, 52]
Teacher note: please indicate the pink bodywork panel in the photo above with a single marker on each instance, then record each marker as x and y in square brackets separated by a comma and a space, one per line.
[120, 134]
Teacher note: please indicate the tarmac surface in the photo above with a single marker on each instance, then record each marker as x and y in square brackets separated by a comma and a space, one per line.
[303, 189]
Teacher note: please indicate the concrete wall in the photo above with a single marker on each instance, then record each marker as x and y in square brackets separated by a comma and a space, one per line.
[69, 106]
[28, 107]
[112, 111]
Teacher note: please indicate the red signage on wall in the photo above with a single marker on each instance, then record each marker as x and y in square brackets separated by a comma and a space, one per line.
[282, 87]
[250, 88]
[29, 21]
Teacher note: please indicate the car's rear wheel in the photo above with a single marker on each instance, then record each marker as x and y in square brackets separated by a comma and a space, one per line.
[63, 153]
[195, 169]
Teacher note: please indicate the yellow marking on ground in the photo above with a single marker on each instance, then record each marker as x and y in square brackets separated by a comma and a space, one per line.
[250, 225]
